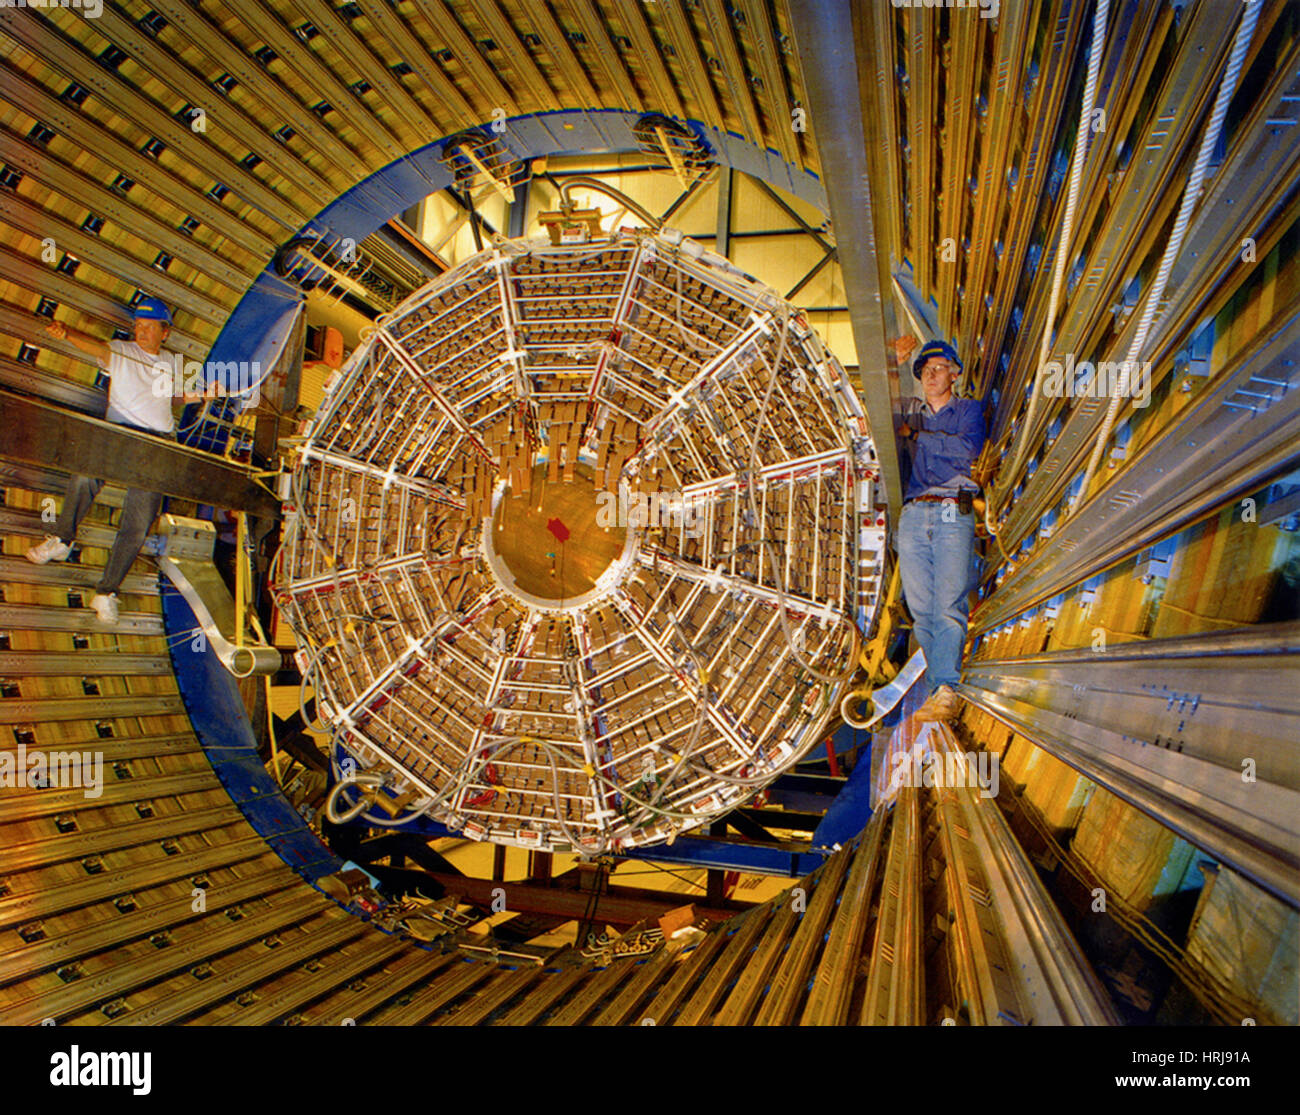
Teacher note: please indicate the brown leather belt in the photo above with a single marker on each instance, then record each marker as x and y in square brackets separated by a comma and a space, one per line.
[930, 499]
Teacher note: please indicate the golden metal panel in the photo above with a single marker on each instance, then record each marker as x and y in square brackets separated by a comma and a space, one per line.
[621, 1007]
[894, 991]
[227, 116]
[413, 51]
[326, 935]
[111, 932]
[699, 1007]
[620, 89]
[50, 44]
[411, 966]
[582, 1001]
[46, 850]
[691, 966]
[828, 1001]
[733, 68]
[514, 55]
[212, 937]
[541, 996]
[503, 987]
[787, 988]
[44, 803]
[313, 77]
[19, 907]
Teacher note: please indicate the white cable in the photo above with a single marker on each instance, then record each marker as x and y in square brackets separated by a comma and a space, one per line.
[1081, 145]
[1190, 196]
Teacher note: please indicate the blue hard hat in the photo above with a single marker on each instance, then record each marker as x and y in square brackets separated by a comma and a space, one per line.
[152, 309]
[934, 348]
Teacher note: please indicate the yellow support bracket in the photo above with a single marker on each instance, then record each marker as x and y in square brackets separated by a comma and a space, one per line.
[872, 657]
[241, 575]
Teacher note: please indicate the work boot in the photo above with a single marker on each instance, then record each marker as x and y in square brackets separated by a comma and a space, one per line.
[929, 710]
[52, 549]
[949, 704]
[942, 705]
[105, 606]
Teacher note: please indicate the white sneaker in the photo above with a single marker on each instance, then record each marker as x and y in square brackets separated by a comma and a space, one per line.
[105, 606]
[52, 549]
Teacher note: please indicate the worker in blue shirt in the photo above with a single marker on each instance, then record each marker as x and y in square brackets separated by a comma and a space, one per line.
[936, 531]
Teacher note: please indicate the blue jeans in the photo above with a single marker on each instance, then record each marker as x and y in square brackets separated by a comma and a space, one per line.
[936, 559]
[139, 510]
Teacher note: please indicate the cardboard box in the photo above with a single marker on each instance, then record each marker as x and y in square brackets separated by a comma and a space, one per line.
[1135, 857]
[1249, 941]
[1058, 792]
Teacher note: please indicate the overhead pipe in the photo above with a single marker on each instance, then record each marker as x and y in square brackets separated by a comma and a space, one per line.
[824, 36]
[596, 186]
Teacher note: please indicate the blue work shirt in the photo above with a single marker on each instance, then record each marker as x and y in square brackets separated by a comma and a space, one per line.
[947, 443]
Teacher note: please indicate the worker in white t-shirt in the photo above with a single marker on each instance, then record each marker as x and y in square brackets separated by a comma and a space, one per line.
[133, 368]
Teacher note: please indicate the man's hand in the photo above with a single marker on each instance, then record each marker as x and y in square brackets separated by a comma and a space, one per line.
[904, 347]
[212, 391]
[61, 331]
[904, 431]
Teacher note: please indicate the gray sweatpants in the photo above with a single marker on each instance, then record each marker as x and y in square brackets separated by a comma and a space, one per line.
[138, 513]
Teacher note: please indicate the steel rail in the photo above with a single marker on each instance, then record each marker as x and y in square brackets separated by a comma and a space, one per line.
[1164, 725]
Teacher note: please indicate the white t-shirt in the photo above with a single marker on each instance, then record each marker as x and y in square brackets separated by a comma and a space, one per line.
[131, 396]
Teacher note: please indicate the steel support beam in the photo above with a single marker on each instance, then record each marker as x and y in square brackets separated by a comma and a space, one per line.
[1198, 732]
[809, 275]
[1236, 435]
[39, 434]
[786, 859]
[477, 222]
[685, 195]
[792, 213]
[517, 217]
[617, 905]
[722, 243]
[824, 34]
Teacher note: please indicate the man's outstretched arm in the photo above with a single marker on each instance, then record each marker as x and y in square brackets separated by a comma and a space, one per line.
[92, 346]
